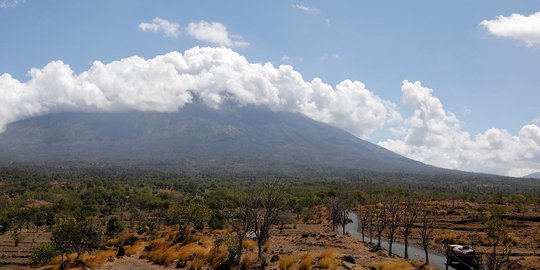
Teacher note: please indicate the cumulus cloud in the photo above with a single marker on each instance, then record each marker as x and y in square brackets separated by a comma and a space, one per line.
[11, 3]
[167, 28]
[215, 33]
[435, 136]
[168, 82]
[305, 9]
[516, 26]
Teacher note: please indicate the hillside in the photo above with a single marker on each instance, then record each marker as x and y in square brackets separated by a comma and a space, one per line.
[246, 139]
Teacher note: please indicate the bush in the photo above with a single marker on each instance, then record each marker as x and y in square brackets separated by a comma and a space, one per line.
[42, 254]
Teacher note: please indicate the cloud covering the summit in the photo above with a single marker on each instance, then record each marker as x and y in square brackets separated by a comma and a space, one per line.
[167, 82]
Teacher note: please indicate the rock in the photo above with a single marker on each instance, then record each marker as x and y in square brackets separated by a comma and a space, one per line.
[347, 266]
[181, 264]
[305, 235]
[274, 259]
[121, 252]
[348, 259]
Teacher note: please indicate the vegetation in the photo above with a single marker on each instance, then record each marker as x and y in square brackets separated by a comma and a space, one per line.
[90, 211]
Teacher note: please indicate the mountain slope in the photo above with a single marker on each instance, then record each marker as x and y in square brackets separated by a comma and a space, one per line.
[197, 137]
[533, 175]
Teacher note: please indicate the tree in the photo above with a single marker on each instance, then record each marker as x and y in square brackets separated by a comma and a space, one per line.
[75, 236]
[409, 218]
[363, 219]
[371, 225]
[426, 231]
[497, 234]
[381, 219]
[184, 214]
[394, 220]
[240, 220]
[266, 205]
[346, 202]
[113, 227]
[334, 211]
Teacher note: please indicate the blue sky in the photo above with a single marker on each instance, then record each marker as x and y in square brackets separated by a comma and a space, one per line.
[487, 81]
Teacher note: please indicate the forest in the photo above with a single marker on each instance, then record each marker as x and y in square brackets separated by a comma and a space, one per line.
[72, 218]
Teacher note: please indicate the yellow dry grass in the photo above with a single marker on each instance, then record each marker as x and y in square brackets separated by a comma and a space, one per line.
[248, 260]
[136, 249]
[329, 259]
[287, 262]
[392, 265]
[306, 262]
[249, 244]
[99, 258]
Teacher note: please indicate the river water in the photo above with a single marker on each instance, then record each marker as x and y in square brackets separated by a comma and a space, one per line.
[398, 249]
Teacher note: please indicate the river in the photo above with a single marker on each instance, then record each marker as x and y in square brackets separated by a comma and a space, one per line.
[398, 249]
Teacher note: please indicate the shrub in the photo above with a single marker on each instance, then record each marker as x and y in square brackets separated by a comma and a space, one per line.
[392, 265]
[306, 262]
[329, 259]
[286, 262]
[247, 260]
[42, 254]
[249, 244]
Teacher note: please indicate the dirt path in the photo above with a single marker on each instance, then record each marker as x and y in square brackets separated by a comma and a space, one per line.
[128, 263]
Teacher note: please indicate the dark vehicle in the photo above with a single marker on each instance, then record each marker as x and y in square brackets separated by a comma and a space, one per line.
[461, 257]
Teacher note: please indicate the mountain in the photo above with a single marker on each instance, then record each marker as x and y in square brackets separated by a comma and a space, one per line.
[533, 175]
[234, 139]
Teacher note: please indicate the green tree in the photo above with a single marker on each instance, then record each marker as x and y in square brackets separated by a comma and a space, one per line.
[184, 214]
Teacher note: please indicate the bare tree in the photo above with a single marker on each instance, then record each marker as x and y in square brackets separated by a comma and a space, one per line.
[334, 211]
[426, 231]
[363, 219]
[266, 205]
[394, 220]
[370, 222]
[409, 218]
[381, 219]
[240, 220]
[497, 235]
[346, 202]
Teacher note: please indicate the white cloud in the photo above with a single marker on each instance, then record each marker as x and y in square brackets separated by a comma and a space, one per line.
[435, 136]
[215, 33]
[327, 56]
[536, 120]
[286, 59]
[167, 28]
[305, 9]
[11, 3]
[516, 26]
[167, 82]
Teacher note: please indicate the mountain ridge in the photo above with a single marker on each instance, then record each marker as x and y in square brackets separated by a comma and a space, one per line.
[198, 137]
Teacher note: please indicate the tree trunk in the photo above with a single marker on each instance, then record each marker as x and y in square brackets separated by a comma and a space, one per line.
[343, 226]
[427, 255]
[406, 254]
[390, 248]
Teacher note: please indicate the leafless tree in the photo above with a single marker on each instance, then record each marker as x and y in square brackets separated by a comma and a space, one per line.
[346, 202]
[363, 219]
[370, 222]
[497, 235]
[409, 218]
[381, 221]
[334, 211]
[394, 220]
[266, 204]
[426, 231]
[240, 220]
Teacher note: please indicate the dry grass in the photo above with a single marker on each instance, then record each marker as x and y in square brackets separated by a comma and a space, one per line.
[192, 249]
[392, 265]
[249, 244]
[136, 249]
[266, 246]
[306, 262]
[287, 262]
[99, 258]
[197, 264]
[329, 259]
[248, 260]
[111, 242]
